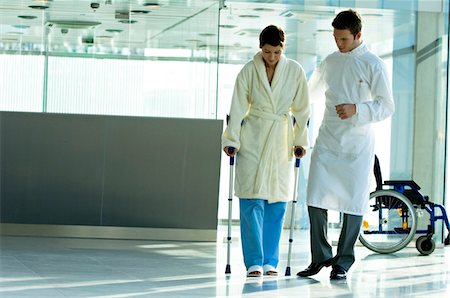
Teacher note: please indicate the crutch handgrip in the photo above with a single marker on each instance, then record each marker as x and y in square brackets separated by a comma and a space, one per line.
[298, 152]
[231, 151]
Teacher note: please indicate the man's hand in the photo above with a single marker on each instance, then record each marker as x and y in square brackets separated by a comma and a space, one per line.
[346, 110]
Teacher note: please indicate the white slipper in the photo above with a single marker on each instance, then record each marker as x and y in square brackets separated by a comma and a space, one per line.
[270, 270]
[254, 271]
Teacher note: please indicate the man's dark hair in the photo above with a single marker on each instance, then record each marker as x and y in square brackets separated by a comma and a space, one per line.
[272, 35]
[348, 19]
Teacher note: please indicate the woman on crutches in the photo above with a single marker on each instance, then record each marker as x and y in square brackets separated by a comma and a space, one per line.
[269, 90]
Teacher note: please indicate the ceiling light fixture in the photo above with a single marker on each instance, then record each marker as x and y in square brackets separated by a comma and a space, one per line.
[21, 26]
[72, 24]
[137, 11]
[114, 30]
[227, 26]
[27, 17]
[263, 9]
[151, 5]
[324, 30]
[41, 7]
[249, 16]
[128, 21]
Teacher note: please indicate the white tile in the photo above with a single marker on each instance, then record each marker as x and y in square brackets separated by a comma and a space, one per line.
[63, 267]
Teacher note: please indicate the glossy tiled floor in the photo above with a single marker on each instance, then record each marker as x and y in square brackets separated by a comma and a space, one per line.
[66, 267]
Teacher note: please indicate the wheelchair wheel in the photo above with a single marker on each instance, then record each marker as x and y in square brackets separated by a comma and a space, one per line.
[390, 223]
[425, 245]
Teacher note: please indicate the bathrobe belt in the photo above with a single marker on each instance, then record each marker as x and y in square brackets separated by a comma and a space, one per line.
[277, 125]
[264, 171]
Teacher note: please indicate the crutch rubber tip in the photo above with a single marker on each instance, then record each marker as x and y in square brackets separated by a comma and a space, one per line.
[228, 269]
[288, 271]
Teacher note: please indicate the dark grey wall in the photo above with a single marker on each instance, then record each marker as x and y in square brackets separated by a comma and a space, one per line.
[109, 171]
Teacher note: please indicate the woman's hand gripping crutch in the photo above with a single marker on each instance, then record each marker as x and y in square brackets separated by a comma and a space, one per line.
[299, 152]
[231, 152]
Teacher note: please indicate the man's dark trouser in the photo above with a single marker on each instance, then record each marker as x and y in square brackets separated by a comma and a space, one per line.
[321, 249]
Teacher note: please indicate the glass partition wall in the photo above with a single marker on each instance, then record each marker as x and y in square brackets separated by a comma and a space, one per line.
[180, 58]
[139, 58]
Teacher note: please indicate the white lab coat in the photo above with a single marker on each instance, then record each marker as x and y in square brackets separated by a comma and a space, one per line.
[342, 159]
[261, 128]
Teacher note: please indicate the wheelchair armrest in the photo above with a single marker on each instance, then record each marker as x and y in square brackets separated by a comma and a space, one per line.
[409, 183]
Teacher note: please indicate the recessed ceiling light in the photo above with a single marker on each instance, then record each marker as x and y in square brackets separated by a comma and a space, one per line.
[207, 34]
[137, 11]
[73, 24]
[151, 4]
[21, 26]
[227, 26]
[249, 16]
[9, 39]
[38, 6]
[376, 15]
[128, 21]
[287, 14]
[27, 17]
[263, 9]
[250, 32]
[114, 30]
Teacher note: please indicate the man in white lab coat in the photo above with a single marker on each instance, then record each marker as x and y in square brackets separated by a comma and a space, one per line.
[358, 92]
[268, 91]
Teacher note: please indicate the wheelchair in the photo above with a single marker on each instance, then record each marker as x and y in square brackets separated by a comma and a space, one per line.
[392, 219]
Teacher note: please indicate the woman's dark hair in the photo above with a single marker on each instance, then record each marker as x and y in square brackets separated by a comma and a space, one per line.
[272, 35]
[348, 19]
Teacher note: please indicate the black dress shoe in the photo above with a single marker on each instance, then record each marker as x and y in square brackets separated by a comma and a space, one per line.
[338, 273]
[314, 268]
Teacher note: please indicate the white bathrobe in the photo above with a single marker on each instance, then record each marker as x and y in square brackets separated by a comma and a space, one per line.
[342, 160]
[261, 128]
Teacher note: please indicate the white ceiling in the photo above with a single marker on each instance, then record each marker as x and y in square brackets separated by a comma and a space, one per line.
[184, 28]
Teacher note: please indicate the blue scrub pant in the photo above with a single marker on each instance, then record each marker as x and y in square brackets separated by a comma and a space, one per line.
[261, 226]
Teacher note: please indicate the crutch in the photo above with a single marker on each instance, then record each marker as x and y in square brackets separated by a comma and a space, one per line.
[230, 206]
[298, 151]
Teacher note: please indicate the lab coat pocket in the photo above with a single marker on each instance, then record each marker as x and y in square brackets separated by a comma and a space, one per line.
[364, 90]
[357, 138]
